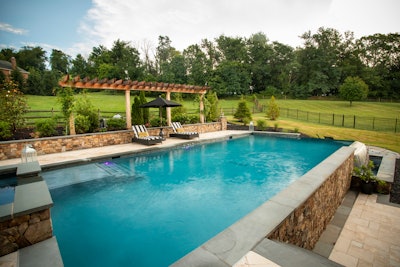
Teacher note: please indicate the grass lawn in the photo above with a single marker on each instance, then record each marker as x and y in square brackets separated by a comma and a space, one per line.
[116, 102]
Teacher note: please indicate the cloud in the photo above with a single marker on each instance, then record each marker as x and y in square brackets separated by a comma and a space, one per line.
[188, 22]
[9, 28]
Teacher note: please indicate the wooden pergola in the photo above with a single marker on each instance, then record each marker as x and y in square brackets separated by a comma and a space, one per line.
[128, 85]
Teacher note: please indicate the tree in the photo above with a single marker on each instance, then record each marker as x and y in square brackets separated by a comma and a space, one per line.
[212, 111]
[273, 109]
[243, 113]
[13, 105]
[59, 62]
[137, 115]
[353, 89]
[66, 98]
[34, 57]
[145, 111]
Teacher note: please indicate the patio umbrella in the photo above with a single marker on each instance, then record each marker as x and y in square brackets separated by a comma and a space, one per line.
[160, 102]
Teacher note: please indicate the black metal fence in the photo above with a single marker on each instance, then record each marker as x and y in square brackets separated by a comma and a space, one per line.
[340, 120]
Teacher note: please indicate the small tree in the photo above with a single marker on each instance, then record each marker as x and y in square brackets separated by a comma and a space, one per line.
[353, 89]
[67, 99]
[145, 111]
[13, 105]
[243, 113]
[84, 107]
[213, 107]
[273, 109]
[137, 115]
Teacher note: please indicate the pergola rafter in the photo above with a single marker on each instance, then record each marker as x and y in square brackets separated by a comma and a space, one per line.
[128, 85]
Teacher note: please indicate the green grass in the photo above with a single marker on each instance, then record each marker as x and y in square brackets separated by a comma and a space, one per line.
[116, 102]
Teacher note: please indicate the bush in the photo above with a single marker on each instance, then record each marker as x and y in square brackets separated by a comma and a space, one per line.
[82, 124]
[46, 127]
[182, 118]
[242, 112]
[5, 130]
[261, 125]
[115, 124]
[194, 119]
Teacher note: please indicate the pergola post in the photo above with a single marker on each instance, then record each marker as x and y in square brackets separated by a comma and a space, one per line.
[201, 108]
[168, 109]
[128, 109]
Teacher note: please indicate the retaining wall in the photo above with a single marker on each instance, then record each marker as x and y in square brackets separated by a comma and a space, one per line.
[12, 149]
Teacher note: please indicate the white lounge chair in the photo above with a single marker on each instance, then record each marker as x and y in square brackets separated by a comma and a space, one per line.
[141, 135]
[180, 132]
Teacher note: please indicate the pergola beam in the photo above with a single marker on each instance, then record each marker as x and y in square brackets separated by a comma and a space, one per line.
[128, 85]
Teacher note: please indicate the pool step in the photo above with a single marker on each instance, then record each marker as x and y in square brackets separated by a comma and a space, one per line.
[114, 169]
[288, 255]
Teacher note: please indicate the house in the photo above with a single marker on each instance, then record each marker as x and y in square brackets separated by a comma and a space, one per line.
[7, 67]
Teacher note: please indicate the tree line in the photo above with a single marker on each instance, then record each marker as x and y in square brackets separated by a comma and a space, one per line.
[231, 65]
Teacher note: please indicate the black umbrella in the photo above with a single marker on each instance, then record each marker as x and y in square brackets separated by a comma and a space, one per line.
[160, 102]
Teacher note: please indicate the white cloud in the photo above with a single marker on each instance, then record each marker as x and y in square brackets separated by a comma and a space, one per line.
[187, 22]
[9, 28]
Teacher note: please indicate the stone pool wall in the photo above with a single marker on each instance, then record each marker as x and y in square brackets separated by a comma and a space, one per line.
[297, 215]
[12, 149]
[27, 220]
[304, 226]
[24, 231]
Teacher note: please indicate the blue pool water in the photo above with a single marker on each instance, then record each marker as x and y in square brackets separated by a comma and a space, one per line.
[152, 209]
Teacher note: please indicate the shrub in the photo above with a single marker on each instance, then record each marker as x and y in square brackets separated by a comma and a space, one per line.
[273, 109]
[82, 124]
[46, 127]
[242, 112]
[182, 118]
[261, 125]
[5, 130]
[115, 124]
[194, 119]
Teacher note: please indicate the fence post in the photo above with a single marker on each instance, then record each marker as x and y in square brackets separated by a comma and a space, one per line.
[373, 123]
[354, 122]
[52, 112]
[333, 119]
[395, 126]
[343, 120]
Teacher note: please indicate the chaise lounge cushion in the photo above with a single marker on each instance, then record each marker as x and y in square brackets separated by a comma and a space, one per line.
[142, 136]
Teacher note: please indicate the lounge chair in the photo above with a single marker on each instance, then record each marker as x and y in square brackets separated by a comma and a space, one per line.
[141, 135]
[179, 132]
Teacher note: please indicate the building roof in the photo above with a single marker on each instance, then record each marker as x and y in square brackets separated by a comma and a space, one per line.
[6, 65]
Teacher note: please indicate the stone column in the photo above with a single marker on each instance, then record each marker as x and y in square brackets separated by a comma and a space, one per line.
[168, 97]
[128, 109]
[201, 108]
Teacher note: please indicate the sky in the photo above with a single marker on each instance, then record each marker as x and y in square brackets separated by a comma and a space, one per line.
[76, 26]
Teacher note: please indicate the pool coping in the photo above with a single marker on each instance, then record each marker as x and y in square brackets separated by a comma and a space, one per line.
[230, 245]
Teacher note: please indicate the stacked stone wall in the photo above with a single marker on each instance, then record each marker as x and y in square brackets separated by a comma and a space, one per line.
[24, 231]
[304, 226]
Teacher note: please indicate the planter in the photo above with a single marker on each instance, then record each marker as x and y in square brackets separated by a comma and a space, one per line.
[367, 188]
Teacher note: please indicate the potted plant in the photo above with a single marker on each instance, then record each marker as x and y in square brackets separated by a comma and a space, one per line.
[367, 177]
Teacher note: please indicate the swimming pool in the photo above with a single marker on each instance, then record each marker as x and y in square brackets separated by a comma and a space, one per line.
[152, 209]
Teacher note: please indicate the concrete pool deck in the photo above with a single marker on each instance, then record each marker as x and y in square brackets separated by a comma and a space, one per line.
[370, 235]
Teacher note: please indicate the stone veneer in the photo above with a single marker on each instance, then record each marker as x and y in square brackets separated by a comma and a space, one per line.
[306, 223]
[24, 231]
[297, 215]
[27, 220]
[12, 149]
